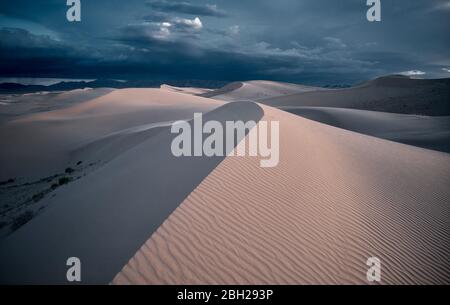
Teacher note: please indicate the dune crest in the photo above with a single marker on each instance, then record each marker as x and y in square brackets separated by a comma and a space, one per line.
[105, 217]
[336, 198]
[256, 90]
[186, 90]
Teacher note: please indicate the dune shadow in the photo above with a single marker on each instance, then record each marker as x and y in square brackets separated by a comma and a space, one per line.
[104, 218]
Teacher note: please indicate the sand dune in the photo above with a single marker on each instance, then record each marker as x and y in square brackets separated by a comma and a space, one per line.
[13, 106]
[256, 90]
[389, 94]
[395, 94]
[39, 148]
[186, 90]
[336, 198]
[105, 217]
[58, 135]
[141, 215]
[422, 131]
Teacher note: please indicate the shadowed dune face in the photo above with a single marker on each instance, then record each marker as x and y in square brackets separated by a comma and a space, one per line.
[343, 107]
[397, 94]
[422, 131]
[335, 199]
[387, 94]
[105, 217]
[224, 90]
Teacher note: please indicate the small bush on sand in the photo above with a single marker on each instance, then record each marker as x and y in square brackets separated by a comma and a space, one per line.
[63, 180]
[22, 219]
[69, 170]
[11, 180]
[38, 197]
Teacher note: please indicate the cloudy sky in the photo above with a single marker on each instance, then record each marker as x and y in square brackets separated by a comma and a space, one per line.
[308, 41]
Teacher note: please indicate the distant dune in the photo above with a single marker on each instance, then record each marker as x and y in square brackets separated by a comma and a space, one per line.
[398, 108]
[395, 93]
[16, 105]
[57, 136]
[187, 90]
[389, 94]
[256, 90]
[432, 132]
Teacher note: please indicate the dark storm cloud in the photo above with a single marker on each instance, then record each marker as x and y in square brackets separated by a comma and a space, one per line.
[234, 59]
[174, 6]
[313, 41]
[21, 51]
[19, 39]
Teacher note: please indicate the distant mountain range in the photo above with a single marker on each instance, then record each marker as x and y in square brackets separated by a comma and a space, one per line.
[107, 83]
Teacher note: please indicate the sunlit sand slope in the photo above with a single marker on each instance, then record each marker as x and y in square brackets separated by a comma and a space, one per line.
[335, 199]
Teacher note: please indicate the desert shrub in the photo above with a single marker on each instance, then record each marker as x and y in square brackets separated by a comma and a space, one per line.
[79, 162]
[11, 180]
[22, 219]
[69, 170]
[63, 180]
[38, 197]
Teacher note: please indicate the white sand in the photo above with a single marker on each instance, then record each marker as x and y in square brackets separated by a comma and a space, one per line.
[41, 144]
[14, 106]
[106, 216]
[335, 199]
[186, 90]
[256, 90]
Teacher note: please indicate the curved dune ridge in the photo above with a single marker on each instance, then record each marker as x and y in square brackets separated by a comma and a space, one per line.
[107, 215]
[256, 90]
[186, 90]
[335, 199]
